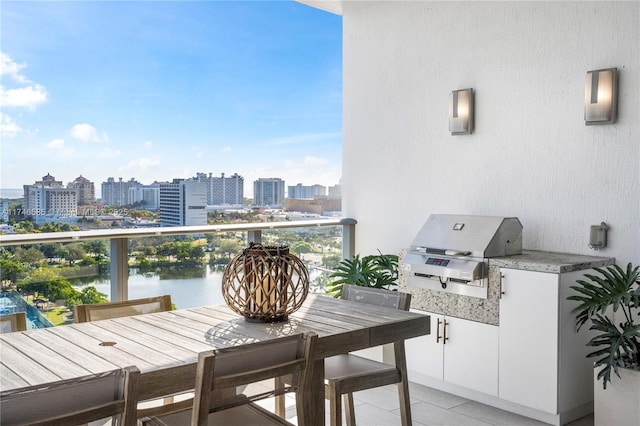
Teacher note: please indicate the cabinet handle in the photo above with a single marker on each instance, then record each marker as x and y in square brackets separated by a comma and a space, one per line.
[438, 337]
[501, 287]
[444, 334]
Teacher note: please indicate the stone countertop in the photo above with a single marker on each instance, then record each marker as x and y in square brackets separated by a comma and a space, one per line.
[544, 261]
[487, 310]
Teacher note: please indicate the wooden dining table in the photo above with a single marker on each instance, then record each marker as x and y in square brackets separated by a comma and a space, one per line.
[167, 344]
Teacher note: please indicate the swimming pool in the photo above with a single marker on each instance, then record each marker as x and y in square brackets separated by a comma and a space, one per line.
[11, 302]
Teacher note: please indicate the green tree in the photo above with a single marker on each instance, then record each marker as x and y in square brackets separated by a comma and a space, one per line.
[300, 247]
[31, 255]
[47, 282]
[75, 253]
[331, 260]
[97, 248]
[23, 227]
[10, 268]
[197, 253]
[168, 249]
[229, 247]
[90, 294]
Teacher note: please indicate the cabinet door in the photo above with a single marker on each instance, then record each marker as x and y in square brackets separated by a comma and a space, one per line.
[424, 354]
[471, 355]
[528, 368]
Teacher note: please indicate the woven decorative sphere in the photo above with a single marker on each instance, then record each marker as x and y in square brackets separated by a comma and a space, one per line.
[265, 283]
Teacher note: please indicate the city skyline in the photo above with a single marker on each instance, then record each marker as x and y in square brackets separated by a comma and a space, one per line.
[170, 90]
[99, 182]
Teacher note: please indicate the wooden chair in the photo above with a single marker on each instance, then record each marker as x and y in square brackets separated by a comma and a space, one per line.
[13, 322]
[223, 370]
[72, 402]
[348, 373]
[126, 308]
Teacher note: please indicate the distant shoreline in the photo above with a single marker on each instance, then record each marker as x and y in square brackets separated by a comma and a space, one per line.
[11, 193]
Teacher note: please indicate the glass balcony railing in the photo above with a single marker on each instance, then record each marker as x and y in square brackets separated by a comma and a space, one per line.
[47, 274]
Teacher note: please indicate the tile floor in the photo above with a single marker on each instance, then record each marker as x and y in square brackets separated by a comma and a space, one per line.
[430, 407]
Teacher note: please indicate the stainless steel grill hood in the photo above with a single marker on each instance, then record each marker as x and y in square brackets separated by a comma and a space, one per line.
[452, 250]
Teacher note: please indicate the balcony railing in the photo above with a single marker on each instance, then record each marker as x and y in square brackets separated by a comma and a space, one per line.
[119, 241]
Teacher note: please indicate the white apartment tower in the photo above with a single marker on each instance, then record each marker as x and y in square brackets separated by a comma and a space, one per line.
[309, 192]
[268, 192]
[223, 190]
[116, 193]
[49, 197]
[335, 191]
[183, 203]
[145, 197]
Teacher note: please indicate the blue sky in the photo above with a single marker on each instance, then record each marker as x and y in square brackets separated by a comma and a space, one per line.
[160, 90]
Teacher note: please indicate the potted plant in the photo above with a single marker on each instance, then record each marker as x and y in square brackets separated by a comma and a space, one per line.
[610, 302]
[379, 271]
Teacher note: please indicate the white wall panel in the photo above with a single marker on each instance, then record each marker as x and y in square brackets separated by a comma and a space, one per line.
[530, 156]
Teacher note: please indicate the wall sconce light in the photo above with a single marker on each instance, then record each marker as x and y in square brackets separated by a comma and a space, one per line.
[601, 96]
[461, 112]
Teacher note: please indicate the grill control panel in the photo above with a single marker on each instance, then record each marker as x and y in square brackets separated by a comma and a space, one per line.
[436, 261]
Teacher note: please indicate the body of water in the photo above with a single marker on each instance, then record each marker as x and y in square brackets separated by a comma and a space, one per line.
[188, 287]
[11, 193]
[203, 289]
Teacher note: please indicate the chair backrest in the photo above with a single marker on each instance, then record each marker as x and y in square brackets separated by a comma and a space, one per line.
[126, 308]
[227, 368]
[74, 401]
[377, 296]
[13, 322]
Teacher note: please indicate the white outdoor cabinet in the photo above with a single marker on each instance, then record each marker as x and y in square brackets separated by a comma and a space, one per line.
[522, 354]
[543, 362]
[457, 351]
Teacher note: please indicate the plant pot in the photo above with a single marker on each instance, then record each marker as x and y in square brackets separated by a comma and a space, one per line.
[619, 404]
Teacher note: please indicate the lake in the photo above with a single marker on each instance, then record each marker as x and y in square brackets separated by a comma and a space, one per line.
[202, 286]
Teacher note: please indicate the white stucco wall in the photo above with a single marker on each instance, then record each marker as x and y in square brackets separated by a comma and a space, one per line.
[530, 156]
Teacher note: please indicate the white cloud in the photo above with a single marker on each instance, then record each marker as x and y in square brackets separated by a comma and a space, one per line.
[298, 139]
[56, 144]
[226, 149]
[59, 146]
[310, 160]
[148, 144]
[28, 96]
[144, 170]
[11, 68]
[140, 165]
[87, 133]
[110, 153]
[24, 97]
[8, 127]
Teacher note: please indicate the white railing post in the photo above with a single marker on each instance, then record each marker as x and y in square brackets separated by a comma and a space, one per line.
[254, 236]
[348, 240]
[119, 269]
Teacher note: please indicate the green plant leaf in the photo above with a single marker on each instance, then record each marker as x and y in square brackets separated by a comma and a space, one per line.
[599, 298]
[379, 271]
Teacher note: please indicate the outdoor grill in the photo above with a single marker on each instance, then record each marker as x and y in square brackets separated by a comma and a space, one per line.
[451, 252]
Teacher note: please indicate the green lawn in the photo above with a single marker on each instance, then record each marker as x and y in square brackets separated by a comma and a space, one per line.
[58, 316]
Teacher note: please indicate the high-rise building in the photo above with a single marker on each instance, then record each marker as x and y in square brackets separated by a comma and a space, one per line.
[310, 192]
[223, 190]
[146, 197]
[86, 190]
[116, 193]
[49, 197]
[4, 205]
[268, 192]
[183, 203]
[335, 191]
